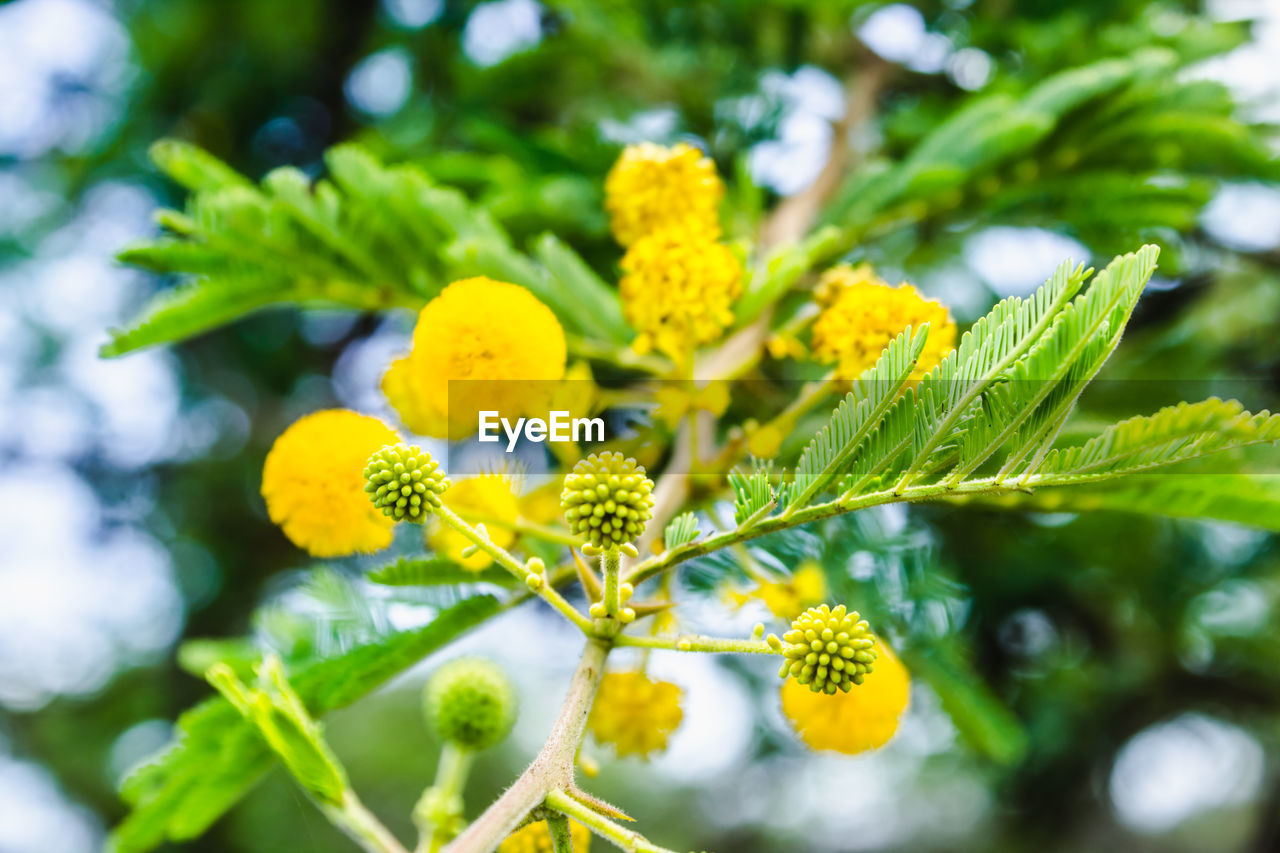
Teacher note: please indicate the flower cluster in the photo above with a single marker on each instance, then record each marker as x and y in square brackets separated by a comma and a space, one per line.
[313, 483]
[635, 714]
[652, 188]
[470, 702]
[536, 838]
[862, 314]
[678, 291]
[404, 482]
[480, 345]
[607, 498]
[678, 283]
[853, 721]
[828, 649]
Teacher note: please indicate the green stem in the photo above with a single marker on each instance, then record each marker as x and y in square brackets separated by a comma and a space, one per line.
[816, 512]
[697, 643]
[440, 807]
[611, 566]
[504, 558]
[361, 825]
[624, 839]
[561, 837]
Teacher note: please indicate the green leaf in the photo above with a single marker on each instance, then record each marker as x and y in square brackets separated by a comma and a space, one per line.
[435, 571]
[1173, 434]
[1251, 499]
[218, 756]
[983, 720]
[681, 530]
[583, 296]
[831, 449]
[193, 167]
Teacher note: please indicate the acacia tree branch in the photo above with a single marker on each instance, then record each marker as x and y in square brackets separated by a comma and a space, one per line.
[551, 770]
[795, 215]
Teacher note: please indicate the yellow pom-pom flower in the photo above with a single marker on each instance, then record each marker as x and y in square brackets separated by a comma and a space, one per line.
[864, 718]
[654, 188]
[313, 482]
[496, 338]
[635, 714]
[536, 838]
[862, 315]
[486, 499]
[678, 292]
[788, 598]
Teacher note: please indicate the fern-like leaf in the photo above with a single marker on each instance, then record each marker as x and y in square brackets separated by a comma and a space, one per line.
[829, 452]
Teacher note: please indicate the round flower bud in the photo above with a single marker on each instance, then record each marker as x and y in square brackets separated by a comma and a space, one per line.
[607, 499]
[828, 649]
[404, 482]
[471, 702]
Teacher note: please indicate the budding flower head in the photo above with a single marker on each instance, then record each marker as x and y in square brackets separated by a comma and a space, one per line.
[607, 498]
[471, 702]
[828, 649]
[404, 482]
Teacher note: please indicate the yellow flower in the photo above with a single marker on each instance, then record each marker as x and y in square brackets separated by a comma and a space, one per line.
[862, 315]
[485, 499]
[789, 598]
[654, 188]
[635, 714]
[678, 292]
[477, 333]
[313, 482]
[536, 838]
[864, 718]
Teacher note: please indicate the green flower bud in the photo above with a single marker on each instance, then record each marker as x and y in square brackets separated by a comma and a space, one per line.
[607, 499]
[471, 702]
[828, 649]
[404, 482]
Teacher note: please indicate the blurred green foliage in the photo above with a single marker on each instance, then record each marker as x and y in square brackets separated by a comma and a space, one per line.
[1086, 127]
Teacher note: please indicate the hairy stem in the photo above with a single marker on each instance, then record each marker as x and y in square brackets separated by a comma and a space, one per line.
[551, 770]
[611, 565]
[698, 643]
[440, 807]
[561, 837]
[504, 558]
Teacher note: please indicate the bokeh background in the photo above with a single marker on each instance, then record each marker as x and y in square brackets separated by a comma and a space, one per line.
[1138, 655]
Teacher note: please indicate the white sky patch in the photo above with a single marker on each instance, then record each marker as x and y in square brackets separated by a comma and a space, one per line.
[1244, 217]
[379, 84]
[1174, 771]
[1015, 261]
[500, 29]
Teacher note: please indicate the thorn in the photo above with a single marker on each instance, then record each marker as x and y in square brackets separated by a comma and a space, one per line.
[590, 583]
[598, 805]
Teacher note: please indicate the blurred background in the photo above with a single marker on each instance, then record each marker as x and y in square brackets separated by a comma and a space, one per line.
[1133, 658]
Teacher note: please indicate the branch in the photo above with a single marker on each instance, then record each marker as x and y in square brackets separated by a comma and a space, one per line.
[794, 216]
[622, 838]
[553, 768]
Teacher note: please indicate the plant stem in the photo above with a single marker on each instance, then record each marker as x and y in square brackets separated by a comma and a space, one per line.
[551, 770]
[440, 807]
[611, 566]
[561, 837]
[624, 839]
[503, 558]
[698, 643]
[361, 825]
[816, 512]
